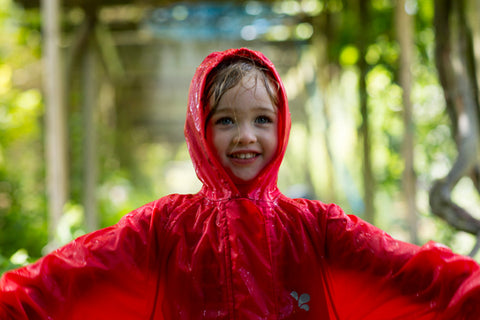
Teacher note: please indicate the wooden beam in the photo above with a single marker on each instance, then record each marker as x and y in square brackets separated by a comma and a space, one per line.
[101, 3]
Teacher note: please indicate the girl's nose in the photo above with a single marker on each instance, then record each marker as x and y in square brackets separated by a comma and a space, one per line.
[245, 135]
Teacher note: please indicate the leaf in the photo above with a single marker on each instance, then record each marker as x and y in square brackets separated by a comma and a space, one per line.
[294, 294]
[304, 298]
[305, 307]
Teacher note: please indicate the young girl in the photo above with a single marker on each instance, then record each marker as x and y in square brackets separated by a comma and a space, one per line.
[240, 249]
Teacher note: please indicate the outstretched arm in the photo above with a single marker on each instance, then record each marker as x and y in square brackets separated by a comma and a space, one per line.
[391, 279]
[101, 273]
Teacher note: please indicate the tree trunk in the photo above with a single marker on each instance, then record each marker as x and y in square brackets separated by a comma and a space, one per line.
[368, 179]
[456, 70]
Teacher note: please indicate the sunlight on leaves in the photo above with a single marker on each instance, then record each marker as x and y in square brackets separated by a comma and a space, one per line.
[349, 56]
[5, 78]
[20, 257]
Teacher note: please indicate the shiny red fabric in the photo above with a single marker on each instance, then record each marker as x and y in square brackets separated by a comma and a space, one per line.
[250, 254]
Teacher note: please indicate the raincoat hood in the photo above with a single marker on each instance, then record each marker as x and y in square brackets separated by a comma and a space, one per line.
[217, 184]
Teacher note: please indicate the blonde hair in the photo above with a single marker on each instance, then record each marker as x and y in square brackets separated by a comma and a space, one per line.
[228, 74]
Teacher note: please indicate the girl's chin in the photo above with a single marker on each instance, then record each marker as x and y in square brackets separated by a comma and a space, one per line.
[242, 180]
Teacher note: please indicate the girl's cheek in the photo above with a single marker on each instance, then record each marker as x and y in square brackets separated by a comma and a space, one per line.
[209, 139]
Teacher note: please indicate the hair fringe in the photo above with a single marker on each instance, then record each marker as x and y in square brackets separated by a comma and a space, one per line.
[228, 74]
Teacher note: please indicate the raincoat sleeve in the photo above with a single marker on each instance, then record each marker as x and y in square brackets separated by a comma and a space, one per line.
[374, 276]
[73, 281]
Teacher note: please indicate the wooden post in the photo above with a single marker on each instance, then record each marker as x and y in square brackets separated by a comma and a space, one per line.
[404, 26]
[55, 126]
[90, 157]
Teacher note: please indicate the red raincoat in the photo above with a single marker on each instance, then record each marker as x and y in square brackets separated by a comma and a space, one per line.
[255, 254]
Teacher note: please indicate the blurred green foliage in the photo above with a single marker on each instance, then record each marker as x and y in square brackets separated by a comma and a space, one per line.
[22, 194]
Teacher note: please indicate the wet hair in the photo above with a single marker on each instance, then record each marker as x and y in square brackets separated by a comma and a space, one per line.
[228, 74]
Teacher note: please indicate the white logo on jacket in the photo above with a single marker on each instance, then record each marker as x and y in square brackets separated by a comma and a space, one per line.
[302, 300]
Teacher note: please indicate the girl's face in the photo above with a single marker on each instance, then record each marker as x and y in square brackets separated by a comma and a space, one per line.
[243, 128]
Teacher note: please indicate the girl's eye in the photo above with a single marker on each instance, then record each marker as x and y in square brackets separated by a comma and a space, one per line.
[224, 121]
[263, 120]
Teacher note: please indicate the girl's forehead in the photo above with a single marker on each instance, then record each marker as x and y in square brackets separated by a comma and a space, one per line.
[249, 83]
[253, 84]
[249, 91]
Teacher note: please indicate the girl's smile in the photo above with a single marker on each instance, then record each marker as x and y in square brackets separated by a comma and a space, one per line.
[243, 128]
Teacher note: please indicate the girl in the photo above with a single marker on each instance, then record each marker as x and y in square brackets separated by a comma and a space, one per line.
[240, 249]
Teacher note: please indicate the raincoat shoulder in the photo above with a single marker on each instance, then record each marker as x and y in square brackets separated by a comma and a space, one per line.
[104, 274]
[374, 276]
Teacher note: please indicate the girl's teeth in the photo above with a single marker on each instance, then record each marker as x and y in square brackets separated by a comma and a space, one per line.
[244, 155]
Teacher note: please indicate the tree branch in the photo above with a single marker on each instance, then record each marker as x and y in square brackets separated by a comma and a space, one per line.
[460, 92]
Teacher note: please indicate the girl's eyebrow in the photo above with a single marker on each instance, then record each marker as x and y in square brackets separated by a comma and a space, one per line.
[223, 110]
[267, 109]
[228, 109]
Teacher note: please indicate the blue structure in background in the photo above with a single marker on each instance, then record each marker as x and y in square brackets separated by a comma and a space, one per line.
[229, 21]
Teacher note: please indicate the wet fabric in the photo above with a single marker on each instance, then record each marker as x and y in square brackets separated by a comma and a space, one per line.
[254, 253]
